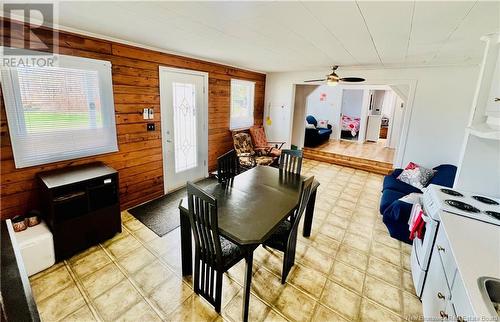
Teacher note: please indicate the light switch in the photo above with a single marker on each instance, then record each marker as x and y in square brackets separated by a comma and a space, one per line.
[145, 114]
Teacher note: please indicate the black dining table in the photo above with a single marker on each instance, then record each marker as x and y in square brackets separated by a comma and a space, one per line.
[250, 208]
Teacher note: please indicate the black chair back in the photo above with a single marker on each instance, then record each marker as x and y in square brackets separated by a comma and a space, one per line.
[291, 161]
[289, 259]
[228, 166]
[208, 251]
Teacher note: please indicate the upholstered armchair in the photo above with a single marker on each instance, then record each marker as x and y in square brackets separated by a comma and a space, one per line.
[262, 145]
[247, 156]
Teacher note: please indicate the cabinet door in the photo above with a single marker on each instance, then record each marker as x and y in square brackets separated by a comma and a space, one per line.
[436, 292]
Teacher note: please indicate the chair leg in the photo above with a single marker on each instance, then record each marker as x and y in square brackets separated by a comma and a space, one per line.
[218, 291]
[288, 262]
[196, 277]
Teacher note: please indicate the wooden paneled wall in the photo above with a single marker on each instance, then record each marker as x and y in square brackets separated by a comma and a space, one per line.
[136, 86]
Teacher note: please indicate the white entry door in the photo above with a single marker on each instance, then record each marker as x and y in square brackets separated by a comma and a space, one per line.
[184, 118]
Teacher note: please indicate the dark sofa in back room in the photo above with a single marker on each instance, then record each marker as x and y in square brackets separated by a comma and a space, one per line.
[316, 136]
[395, 212]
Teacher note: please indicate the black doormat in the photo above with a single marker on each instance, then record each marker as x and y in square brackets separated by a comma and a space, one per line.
[162, 214]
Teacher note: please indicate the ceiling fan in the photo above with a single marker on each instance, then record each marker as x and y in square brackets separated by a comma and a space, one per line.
[333, 79]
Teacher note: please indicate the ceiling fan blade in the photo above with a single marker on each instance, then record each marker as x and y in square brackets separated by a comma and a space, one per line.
[352, 79]
[315, 80]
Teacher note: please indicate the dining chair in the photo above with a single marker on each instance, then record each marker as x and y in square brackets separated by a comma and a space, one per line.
[291, 161]
[228, 166]
[284, 238]
[214, 254]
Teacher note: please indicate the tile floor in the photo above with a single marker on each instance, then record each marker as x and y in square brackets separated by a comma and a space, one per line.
[348, 270]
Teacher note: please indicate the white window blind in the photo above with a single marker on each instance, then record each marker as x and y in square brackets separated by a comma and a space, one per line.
[60, 113]
[242, 101]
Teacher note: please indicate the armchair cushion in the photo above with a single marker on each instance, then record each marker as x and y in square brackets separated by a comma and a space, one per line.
[243, 144]
[258, 137]
[312, 120]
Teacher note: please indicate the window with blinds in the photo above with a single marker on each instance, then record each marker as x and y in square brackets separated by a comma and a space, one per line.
[59, 113]
[242, 101]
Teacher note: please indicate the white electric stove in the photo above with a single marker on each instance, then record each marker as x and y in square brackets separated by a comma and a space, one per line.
[436, 200]
[466, 204]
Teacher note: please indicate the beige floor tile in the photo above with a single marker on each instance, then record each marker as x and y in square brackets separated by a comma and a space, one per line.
[60, 304]
[136, 259]
[90, 263]
[406, 248]
[294, 304]
[139, 312]
[372, 312]
[345, 204]
[386, 253]
[348, 197]
[145, 234]
[387, 241]
[383, 293]
[151, 276]
[325, 244]
[385, 271]
[123, 246]
[193, 309]
[173, 258]
[342, 212]
[348, 276]
[133, 225]
[308, 280]
[170, 294]
[332, 231]
[83, 314]
[361, 228]
[408, 282]
[324, 314]
[266, 285]
[352, 257]
[258, 309]
[317, 260]
[335, 220]
[114, 302]
[341, 300]
[406, 260]
[274, 316]
[116, 237]
[358, 242]
[229, 289]
[126, 216]
[102, 280]
[51, 283]
[412, 307]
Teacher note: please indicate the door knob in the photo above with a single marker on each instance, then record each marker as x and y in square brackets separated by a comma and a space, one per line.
[169, 141]
[440, 296]
[497, 99]
[440, 248]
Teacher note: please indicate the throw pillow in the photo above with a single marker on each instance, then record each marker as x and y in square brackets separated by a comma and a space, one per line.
[322, 124]
[310, 126]
[416, 175]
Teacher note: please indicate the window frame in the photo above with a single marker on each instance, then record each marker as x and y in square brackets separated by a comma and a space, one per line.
[236, 123]
[16, 120]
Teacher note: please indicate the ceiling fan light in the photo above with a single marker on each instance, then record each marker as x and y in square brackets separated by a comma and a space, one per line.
[332, 82]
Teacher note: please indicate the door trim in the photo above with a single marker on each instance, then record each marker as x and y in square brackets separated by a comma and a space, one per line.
[163, 116]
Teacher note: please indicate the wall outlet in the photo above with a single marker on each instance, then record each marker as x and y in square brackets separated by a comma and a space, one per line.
[150, 126]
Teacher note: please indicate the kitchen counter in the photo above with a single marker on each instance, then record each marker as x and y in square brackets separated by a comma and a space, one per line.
[476, 248]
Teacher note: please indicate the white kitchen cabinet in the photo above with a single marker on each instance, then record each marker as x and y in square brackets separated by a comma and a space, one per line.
[436, 293]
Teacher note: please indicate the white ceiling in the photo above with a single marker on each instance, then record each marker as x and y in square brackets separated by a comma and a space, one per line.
[288, 36]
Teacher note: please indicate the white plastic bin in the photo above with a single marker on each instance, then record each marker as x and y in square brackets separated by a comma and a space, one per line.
[37, 248]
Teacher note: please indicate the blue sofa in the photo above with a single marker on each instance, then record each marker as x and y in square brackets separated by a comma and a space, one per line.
[315, 137]
[395, 212]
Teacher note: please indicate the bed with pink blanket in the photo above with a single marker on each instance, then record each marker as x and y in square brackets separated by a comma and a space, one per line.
[350, 124]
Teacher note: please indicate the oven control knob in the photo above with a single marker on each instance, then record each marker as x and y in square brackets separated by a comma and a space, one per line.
[460, 319]
[440, 296]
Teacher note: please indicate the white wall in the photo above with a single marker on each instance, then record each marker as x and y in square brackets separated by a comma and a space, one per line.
[302, 93]
[329, 108]
[352, 102]
[440, 99]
